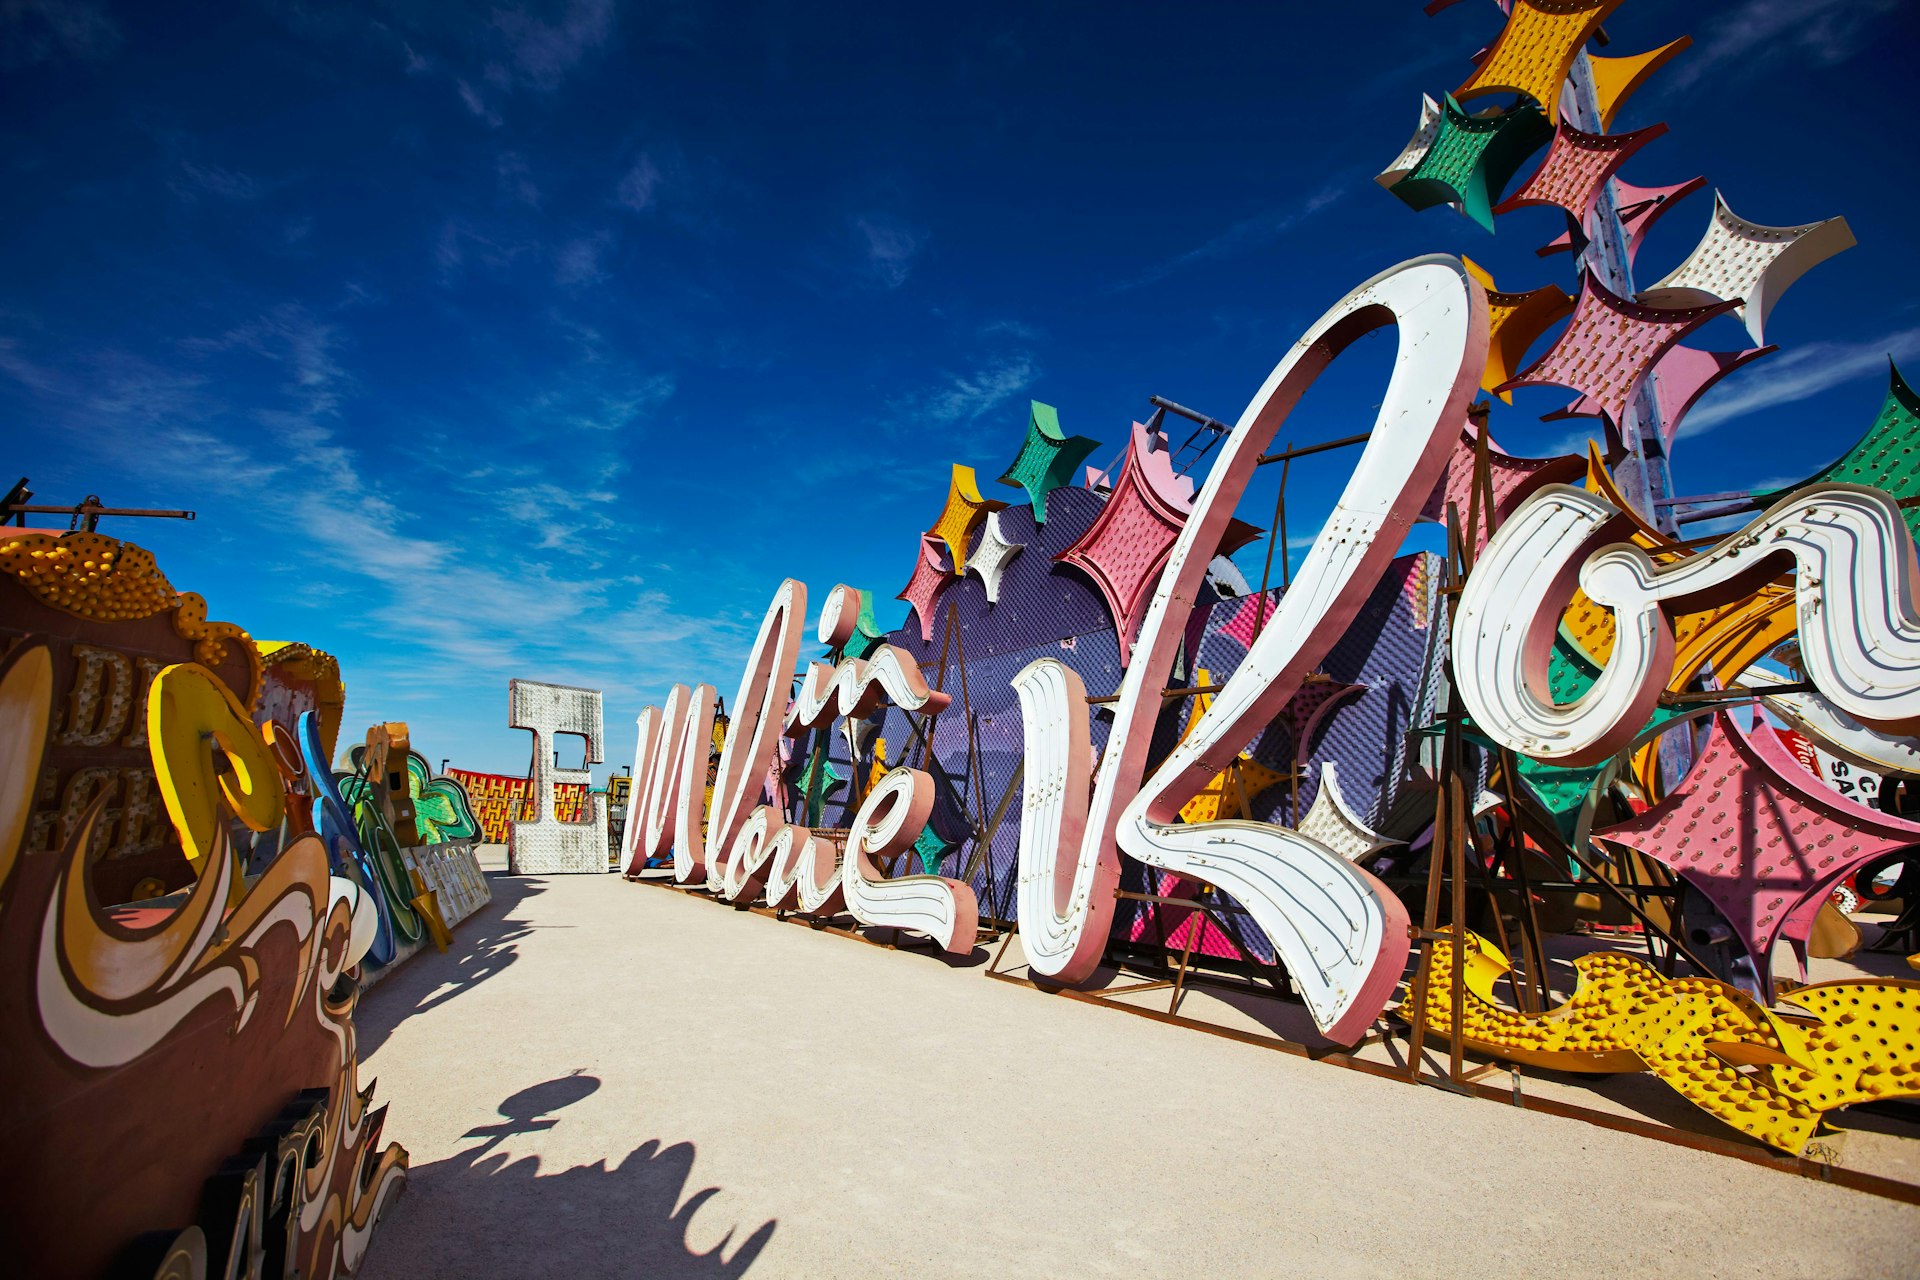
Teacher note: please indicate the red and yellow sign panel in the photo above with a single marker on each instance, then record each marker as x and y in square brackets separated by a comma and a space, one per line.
[500, 798]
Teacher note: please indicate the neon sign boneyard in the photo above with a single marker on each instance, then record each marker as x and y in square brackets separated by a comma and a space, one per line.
[1341, 933]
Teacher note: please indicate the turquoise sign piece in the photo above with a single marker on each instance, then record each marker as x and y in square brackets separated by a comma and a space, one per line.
[1047, 459]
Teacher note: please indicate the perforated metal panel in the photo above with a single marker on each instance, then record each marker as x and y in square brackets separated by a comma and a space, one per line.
[1745, 263]
[1607, 348]
[1756, 835]
[1417, 146]
[1511, 479]
[1535, 50]
[1126, 547]
[1578, 164]
[1471, 160]
[1046, 609]
[1048, 458]
[1681, 377]
[1639, 209]
[1886, 457]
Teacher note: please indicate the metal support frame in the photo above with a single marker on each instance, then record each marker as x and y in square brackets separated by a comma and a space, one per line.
[1214, 430]
[83, 516]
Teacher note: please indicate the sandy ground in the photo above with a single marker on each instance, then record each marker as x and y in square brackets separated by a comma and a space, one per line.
[610, 1079]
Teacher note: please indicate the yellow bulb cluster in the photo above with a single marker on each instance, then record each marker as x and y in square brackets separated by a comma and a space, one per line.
[88, 575]
[1577, 1036]
[1769, 1075]
[212, 641]
[1864, 1046]
[1688, 1039]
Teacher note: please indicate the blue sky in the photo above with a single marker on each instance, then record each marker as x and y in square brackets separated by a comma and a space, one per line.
[543, 341]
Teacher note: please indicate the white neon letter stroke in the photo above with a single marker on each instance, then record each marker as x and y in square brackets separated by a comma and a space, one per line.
[668, 807]
[754, 735]
[748, 853]
[890, 819]
[1065, 905]
[1855, 597]
[670, 782]
[839, 615]
[856, 689]
[632, 847]
[803, 872]
[1340, 932]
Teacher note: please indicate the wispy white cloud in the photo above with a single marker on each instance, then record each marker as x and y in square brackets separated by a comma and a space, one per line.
[519, 612]
[35, 377]
[516, 178]
[516, 48]
[1299, 542]
[890, 246]
[305, 345]
[208, 179]
[577, 262]
[1797, 374]
[1574, 441]
[486, 53]
[458, 240]
[111, 384]
[639, 186]
[1747, 38]
[33, 31]
[960, 398]
[543, 52]
[559, 512]
[109, 400]
[1010, 329]
[461, 244]
[612, 402]
[1427, 55]
[1242, 235]
[448, 253]
[515, 579]
[475, 104]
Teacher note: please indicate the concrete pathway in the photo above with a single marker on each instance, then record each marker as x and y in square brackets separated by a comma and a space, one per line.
[610, 1079]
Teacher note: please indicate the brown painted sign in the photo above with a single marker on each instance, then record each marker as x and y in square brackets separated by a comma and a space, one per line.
[111, 621]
